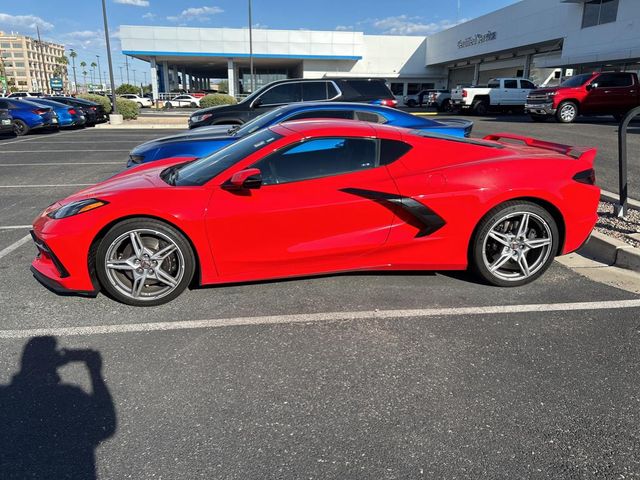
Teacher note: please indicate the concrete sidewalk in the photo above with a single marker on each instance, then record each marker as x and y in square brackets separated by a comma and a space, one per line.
[155, 122]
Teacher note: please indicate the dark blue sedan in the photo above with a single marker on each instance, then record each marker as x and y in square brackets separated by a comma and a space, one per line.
[67, 116]
[205, 140]
[28, 116]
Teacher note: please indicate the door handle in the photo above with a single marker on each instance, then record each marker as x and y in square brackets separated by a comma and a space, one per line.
[607, 91]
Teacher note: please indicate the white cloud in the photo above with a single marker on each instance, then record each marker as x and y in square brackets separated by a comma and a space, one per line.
[149, 16]
[344, 28]
[135, 3]
[406, 25]
[82, 34]
[195, 13]
[23, 21]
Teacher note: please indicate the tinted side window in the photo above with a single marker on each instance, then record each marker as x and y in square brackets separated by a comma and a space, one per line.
[320, 157]
[614, 80]
[510, 84]
[314, 91]
[527, 84]
[284, 93]
[392, 150]
[345, 114]
[370, 117]
[493, 84]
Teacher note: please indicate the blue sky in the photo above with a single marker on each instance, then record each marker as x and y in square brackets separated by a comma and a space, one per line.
[78, 23]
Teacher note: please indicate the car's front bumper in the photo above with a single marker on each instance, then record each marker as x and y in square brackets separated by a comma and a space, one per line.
[540, 108]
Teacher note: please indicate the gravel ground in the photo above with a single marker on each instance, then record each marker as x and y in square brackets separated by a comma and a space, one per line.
[619, 228]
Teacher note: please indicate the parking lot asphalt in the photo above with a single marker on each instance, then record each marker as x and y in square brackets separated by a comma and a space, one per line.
[349, 376]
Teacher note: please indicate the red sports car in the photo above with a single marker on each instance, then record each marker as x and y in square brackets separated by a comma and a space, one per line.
[319, 196]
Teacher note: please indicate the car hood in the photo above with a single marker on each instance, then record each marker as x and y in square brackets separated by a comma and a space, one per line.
[217, 132]
[145, 176]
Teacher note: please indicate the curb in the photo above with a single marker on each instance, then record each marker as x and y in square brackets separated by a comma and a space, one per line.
[611, 251]
[151, 126]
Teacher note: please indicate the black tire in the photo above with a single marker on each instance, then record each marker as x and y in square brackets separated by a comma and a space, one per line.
[480, 107]
[194, 105]
[567, 112]
[445, 106]
[140, 105]
[168, 105]
[412, 103]
[537, 117]
[487, 252]
[153, 234]
[20, 128]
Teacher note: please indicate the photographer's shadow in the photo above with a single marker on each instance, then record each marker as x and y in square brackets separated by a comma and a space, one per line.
[48, 429]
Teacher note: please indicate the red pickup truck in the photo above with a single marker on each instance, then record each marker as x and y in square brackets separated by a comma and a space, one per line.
[599, 93]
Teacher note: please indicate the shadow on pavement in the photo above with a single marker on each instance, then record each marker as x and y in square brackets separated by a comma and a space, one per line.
[48, 429]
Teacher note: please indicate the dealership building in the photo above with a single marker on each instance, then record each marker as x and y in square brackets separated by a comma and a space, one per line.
[545, 40]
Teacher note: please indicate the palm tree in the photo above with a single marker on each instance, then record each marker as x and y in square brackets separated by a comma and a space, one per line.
[73, 56]
[93, 71]
[84, 74]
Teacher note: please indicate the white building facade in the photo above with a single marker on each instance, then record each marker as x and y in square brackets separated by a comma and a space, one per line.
[545, 40]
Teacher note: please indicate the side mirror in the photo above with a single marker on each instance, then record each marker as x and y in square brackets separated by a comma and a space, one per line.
[250, 178]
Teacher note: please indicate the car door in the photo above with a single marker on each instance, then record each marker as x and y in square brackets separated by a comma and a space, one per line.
[525, 88]
[510, 92]
[618, 92]
[315, 212]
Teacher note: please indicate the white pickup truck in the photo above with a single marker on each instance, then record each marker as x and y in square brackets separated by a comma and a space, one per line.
[499, 94]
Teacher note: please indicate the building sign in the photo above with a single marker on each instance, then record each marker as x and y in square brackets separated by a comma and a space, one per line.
[477, 39]
[56, 83]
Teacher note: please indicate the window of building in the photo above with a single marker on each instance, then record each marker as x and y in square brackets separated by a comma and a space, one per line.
[321, 157]
[397, 88]
[598, 12]
[18, 55]
[5, 45]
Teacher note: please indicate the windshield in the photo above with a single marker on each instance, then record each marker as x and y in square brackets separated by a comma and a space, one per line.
[262, 121]
[576, 81]
[204, 169]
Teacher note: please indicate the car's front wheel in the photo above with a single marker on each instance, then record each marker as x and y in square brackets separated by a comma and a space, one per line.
[144, 262]
[567, 112]
[514, 244]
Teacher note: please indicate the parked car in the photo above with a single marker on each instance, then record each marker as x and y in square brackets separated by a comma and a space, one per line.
[499, 94]
[441, 100]
[319, 196]
[94, 112]
[284, 92]
[68, 116]
[6, 122]
[141, 101]
[413, 100]
[28, 117]
[599, 93]
[183, 101]
[25, 94]
[206, 140]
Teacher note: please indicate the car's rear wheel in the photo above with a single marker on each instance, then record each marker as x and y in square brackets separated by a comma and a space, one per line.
[20, 128]
[480, 107]
[140, 105]
[514, 244]
[567, 112]
[445, 106]
[168, 105]
[144, 262]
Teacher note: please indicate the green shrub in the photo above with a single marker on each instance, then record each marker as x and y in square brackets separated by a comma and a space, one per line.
[102, 100]
[127, 108]
[127, 88]
[216, 99]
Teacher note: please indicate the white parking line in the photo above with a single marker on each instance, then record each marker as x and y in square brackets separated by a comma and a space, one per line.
[31, 139]
[60, 151]
[318, 317]
[14, 246]
[44, 164]
[48, 186]
[15, 227]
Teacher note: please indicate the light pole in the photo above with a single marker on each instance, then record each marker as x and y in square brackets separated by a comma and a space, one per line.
[251, 48]
[106, 36]
[126, 64]
[121, 77]
[99, 71]
[134, 77]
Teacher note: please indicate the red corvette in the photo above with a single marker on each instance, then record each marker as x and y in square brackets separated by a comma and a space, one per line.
[319, 196]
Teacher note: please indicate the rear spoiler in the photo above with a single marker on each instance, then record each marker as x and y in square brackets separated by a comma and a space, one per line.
[574, 152]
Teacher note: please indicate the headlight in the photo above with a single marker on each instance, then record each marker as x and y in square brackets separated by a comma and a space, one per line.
[201, 118]
[552, 94]
[77, 207]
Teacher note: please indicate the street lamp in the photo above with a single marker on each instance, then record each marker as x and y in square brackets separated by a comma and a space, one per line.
[73, 56]
[106, 36]
[251, 48]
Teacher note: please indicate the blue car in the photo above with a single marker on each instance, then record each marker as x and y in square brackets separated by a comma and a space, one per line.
[68, 116]
[28, 116]
[205, 140]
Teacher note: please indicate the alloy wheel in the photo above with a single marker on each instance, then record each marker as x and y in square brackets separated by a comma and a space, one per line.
[144, 264]
[517, 246]
[568, 112]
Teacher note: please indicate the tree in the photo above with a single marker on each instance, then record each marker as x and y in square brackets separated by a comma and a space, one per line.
[84, 74]
[127, 88]
[223, 86]
[73, 56]
[93, 71]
